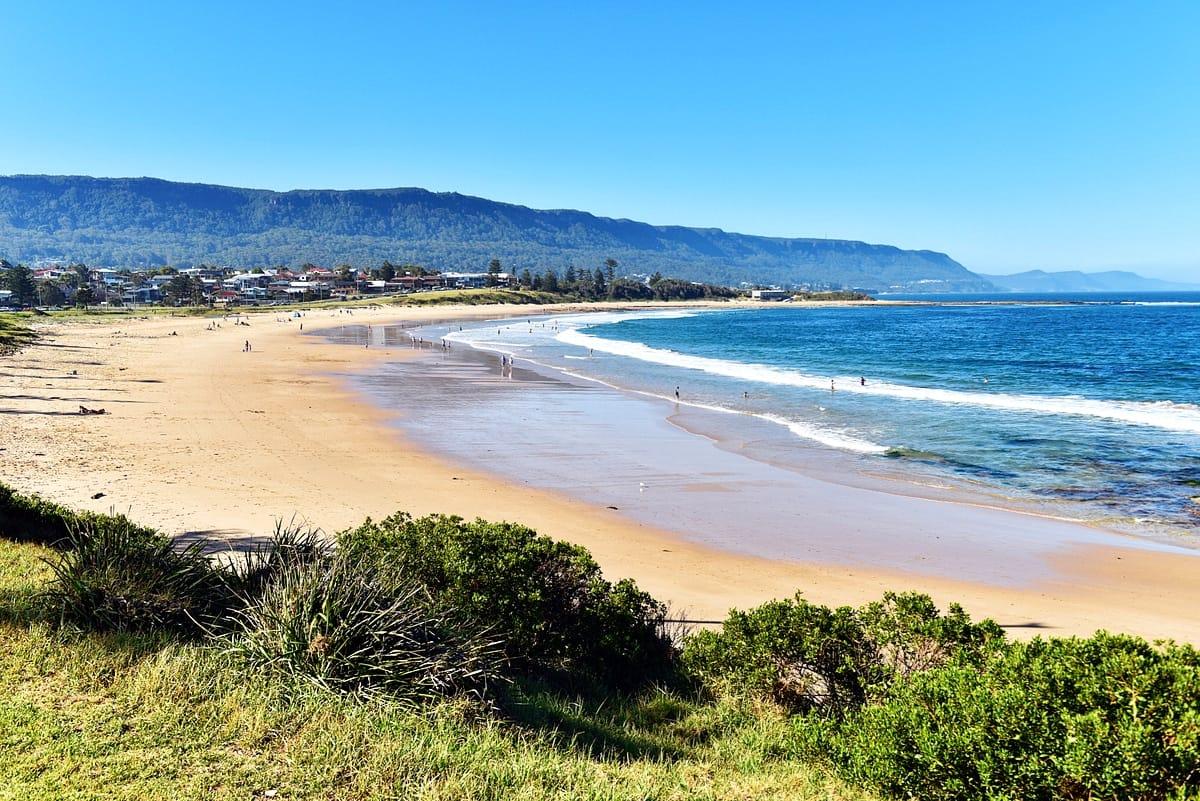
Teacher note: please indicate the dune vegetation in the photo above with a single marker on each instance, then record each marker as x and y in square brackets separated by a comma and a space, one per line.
[442, 658]
[14, 333]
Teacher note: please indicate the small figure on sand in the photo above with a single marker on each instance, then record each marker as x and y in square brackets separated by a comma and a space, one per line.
[246, 348]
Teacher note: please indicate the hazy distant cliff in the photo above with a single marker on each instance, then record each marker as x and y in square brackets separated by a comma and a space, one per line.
[126, 222]
[1076, 281]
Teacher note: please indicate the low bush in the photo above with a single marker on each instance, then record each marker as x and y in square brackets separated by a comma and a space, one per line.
[802, 656]
[1109, 717]
[811, 658]
[28, 518]
[557, 616]
[333, 621]
[121, 577]
[909, 634]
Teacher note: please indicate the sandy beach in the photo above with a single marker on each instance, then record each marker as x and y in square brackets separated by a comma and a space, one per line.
[201, 437]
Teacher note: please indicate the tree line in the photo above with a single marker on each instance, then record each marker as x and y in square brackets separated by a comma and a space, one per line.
[74, 285]
[603, 283]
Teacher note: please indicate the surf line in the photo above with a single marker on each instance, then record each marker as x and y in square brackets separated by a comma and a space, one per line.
[1165, 415]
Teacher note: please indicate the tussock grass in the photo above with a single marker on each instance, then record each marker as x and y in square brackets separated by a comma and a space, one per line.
[337, 623]
[117, 577]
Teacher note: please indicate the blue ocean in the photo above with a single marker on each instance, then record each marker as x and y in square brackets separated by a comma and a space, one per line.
[1088, 406]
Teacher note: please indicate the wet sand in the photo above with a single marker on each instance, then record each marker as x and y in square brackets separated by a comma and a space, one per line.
[636, 455]
[203, 438]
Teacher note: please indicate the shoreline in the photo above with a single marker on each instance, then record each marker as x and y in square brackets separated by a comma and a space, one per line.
[202, 438]
[754, 435]
[620, 450]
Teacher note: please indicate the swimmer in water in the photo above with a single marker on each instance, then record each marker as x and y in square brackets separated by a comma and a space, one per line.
[862, 380]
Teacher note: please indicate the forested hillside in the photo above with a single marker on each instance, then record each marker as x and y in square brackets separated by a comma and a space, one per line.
[144, 221]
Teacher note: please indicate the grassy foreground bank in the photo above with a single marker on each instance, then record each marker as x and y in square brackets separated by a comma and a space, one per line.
[441, 658]
[108, 713]
[142, 716]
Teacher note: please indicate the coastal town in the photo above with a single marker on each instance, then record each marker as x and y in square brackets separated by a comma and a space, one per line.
[55, 284]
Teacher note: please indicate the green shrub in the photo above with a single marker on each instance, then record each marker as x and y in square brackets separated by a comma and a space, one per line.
[1110, 717]
[335, 622]
[28, 518]
[800, 655]
[121, 577]
[910, 634]
[809, 658]
[547, 601]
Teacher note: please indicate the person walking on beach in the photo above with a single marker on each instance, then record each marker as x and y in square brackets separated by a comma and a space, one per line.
[676, 393]
[246, 347]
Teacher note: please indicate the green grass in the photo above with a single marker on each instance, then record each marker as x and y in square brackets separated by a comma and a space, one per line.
[13, 332]
[473, 297]
[121, 716]
[894, 696]
[469, 297]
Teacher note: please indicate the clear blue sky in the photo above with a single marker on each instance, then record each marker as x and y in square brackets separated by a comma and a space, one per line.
[1010, 136]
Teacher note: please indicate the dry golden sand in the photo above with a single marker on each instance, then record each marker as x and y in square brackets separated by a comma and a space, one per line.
[200, 437]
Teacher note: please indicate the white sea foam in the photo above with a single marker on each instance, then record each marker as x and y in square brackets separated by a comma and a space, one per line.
[479, 339]
[1160, 303]
[1182, 417]
[823, 436]
[834, 439]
